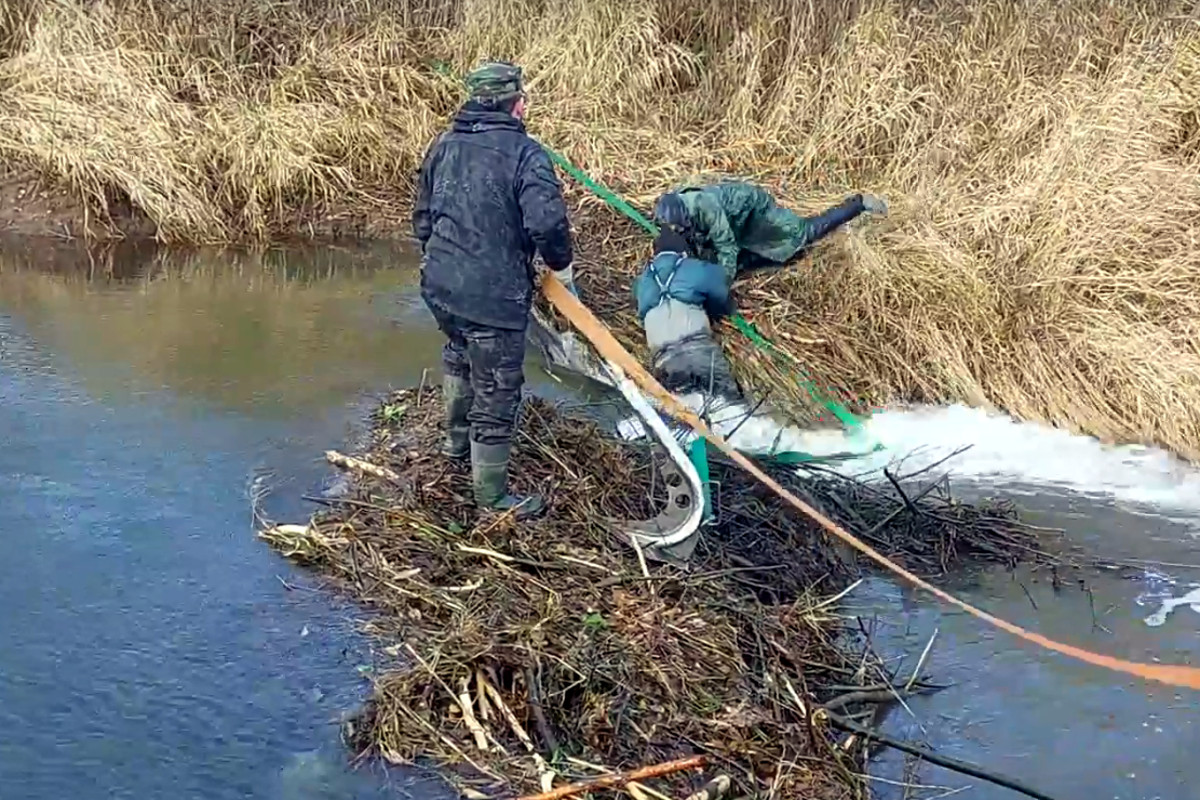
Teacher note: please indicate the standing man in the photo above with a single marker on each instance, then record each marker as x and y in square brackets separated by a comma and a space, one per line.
[487, 201]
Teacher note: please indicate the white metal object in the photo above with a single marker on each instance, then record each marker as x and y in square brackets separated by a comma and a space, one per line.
[671, 534]
[694, 510]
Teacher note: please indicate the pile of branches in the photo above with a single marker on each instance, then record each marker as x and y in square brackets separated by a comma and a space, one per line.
[912, 519]
[544, 653]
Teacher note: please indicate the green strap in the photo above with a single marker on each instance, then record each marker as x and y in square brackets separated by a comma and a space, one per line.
[604, 194]
[747, 329]
[699, 458]
[844, 415]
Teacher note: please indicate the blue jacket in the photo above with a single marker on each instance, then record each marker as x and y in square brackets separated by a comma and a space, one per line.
[685, 279]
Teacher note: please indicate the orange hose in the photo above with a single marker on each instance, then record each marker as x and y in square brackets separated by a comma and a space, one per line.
[609, 348]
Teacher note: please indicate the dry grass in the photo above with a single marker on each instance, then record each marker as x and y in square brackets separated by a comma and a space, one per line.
[1040, 157]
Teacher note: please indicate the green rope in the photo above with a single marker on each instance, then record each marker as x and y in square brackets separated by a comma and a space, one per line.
[600, 191]
[746, 328]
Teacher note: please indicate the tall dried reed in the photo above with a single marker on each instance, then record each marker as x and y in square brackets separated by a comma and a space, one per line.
[1041, 160]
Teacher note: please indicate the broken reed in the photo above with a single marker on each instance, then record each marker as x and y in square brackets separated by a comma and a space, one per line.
[1040, 159]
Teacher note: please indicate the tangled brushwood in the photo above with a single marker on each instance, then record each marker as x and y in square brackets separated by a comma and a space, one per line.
[547, 652]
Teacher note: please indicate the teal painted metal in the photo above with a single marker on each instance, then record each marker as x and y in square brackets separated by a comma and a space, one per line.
[699, 458]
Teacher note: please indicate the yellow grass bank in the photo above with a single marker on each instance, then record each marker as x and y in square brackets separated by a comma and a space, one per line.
[1040, 158]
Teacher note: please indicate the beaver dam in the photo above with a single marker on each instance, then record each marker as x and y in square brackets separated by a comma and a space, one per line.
[533, 657]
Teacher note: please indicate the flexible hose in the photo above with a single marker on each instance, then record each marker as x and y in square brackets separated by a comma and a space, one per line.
[610, 349]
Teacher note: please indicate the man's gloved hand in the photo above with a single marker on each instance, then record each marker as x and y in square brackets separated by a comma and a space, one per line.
[567, 276]
[875, 205]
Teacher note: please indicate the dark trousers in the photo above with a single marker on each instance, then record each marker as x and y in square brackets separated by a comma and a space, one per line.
[492, 361]
[695, 364]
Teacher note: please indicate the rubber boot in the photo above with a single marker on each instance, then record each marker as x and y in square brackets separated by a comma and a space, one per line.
[489, 464]
[457, 396]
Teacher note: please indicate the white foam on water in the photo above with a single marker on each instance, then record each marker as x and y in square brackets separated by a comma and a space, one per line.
[759, 433]
[1169, 604]
[1001, 451]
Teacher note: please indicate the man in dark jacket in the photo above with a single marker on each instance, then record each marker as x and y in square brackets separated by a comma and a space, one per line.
[739, 224]
[678, 298]
[488, 200]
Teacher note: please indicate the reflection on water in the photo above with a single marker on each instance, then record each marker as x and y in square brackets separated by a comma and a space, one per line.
[152, 650]
[236, 330]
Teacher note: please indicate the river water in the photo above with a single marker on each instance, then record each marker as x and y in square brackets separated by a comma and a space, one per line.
[154, 648]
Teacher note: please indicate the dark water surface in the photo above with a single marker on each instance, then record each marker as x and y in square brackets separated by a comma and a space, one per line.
[152, 650]
[150, 647]
[1067, 729]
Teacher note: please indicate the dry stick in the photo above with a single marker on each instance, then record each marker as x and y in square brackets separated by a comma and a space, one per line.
[921, 662]
[632, 785]
[545, 772]
[611, 350]
[879, 696]
[635, 791]
[484, 710]
[468, 712]
[465, 705]
[507, 559]
[445, 739]
[358, 465]
[937, 463]
[583, 563]
[621, 778]
[641, 557]
[831, 600]
[539, 713]
[879, 687]
[641, 789]
[900, 491]
[919, 496]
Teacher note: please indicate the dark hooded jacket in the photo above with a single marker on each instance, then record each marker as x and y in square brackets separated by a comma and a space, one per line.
[487, 201]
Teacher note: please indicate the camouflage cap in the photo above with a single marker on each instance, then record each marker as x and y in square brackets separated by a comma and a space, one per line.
[495, 81]
[670, 210]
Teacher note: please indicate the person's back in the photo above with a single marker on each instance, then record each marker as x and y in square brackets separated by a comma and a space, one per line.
[737, 200]
[739, 225]
[677, 295]
[487, 201]
[492, 201]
